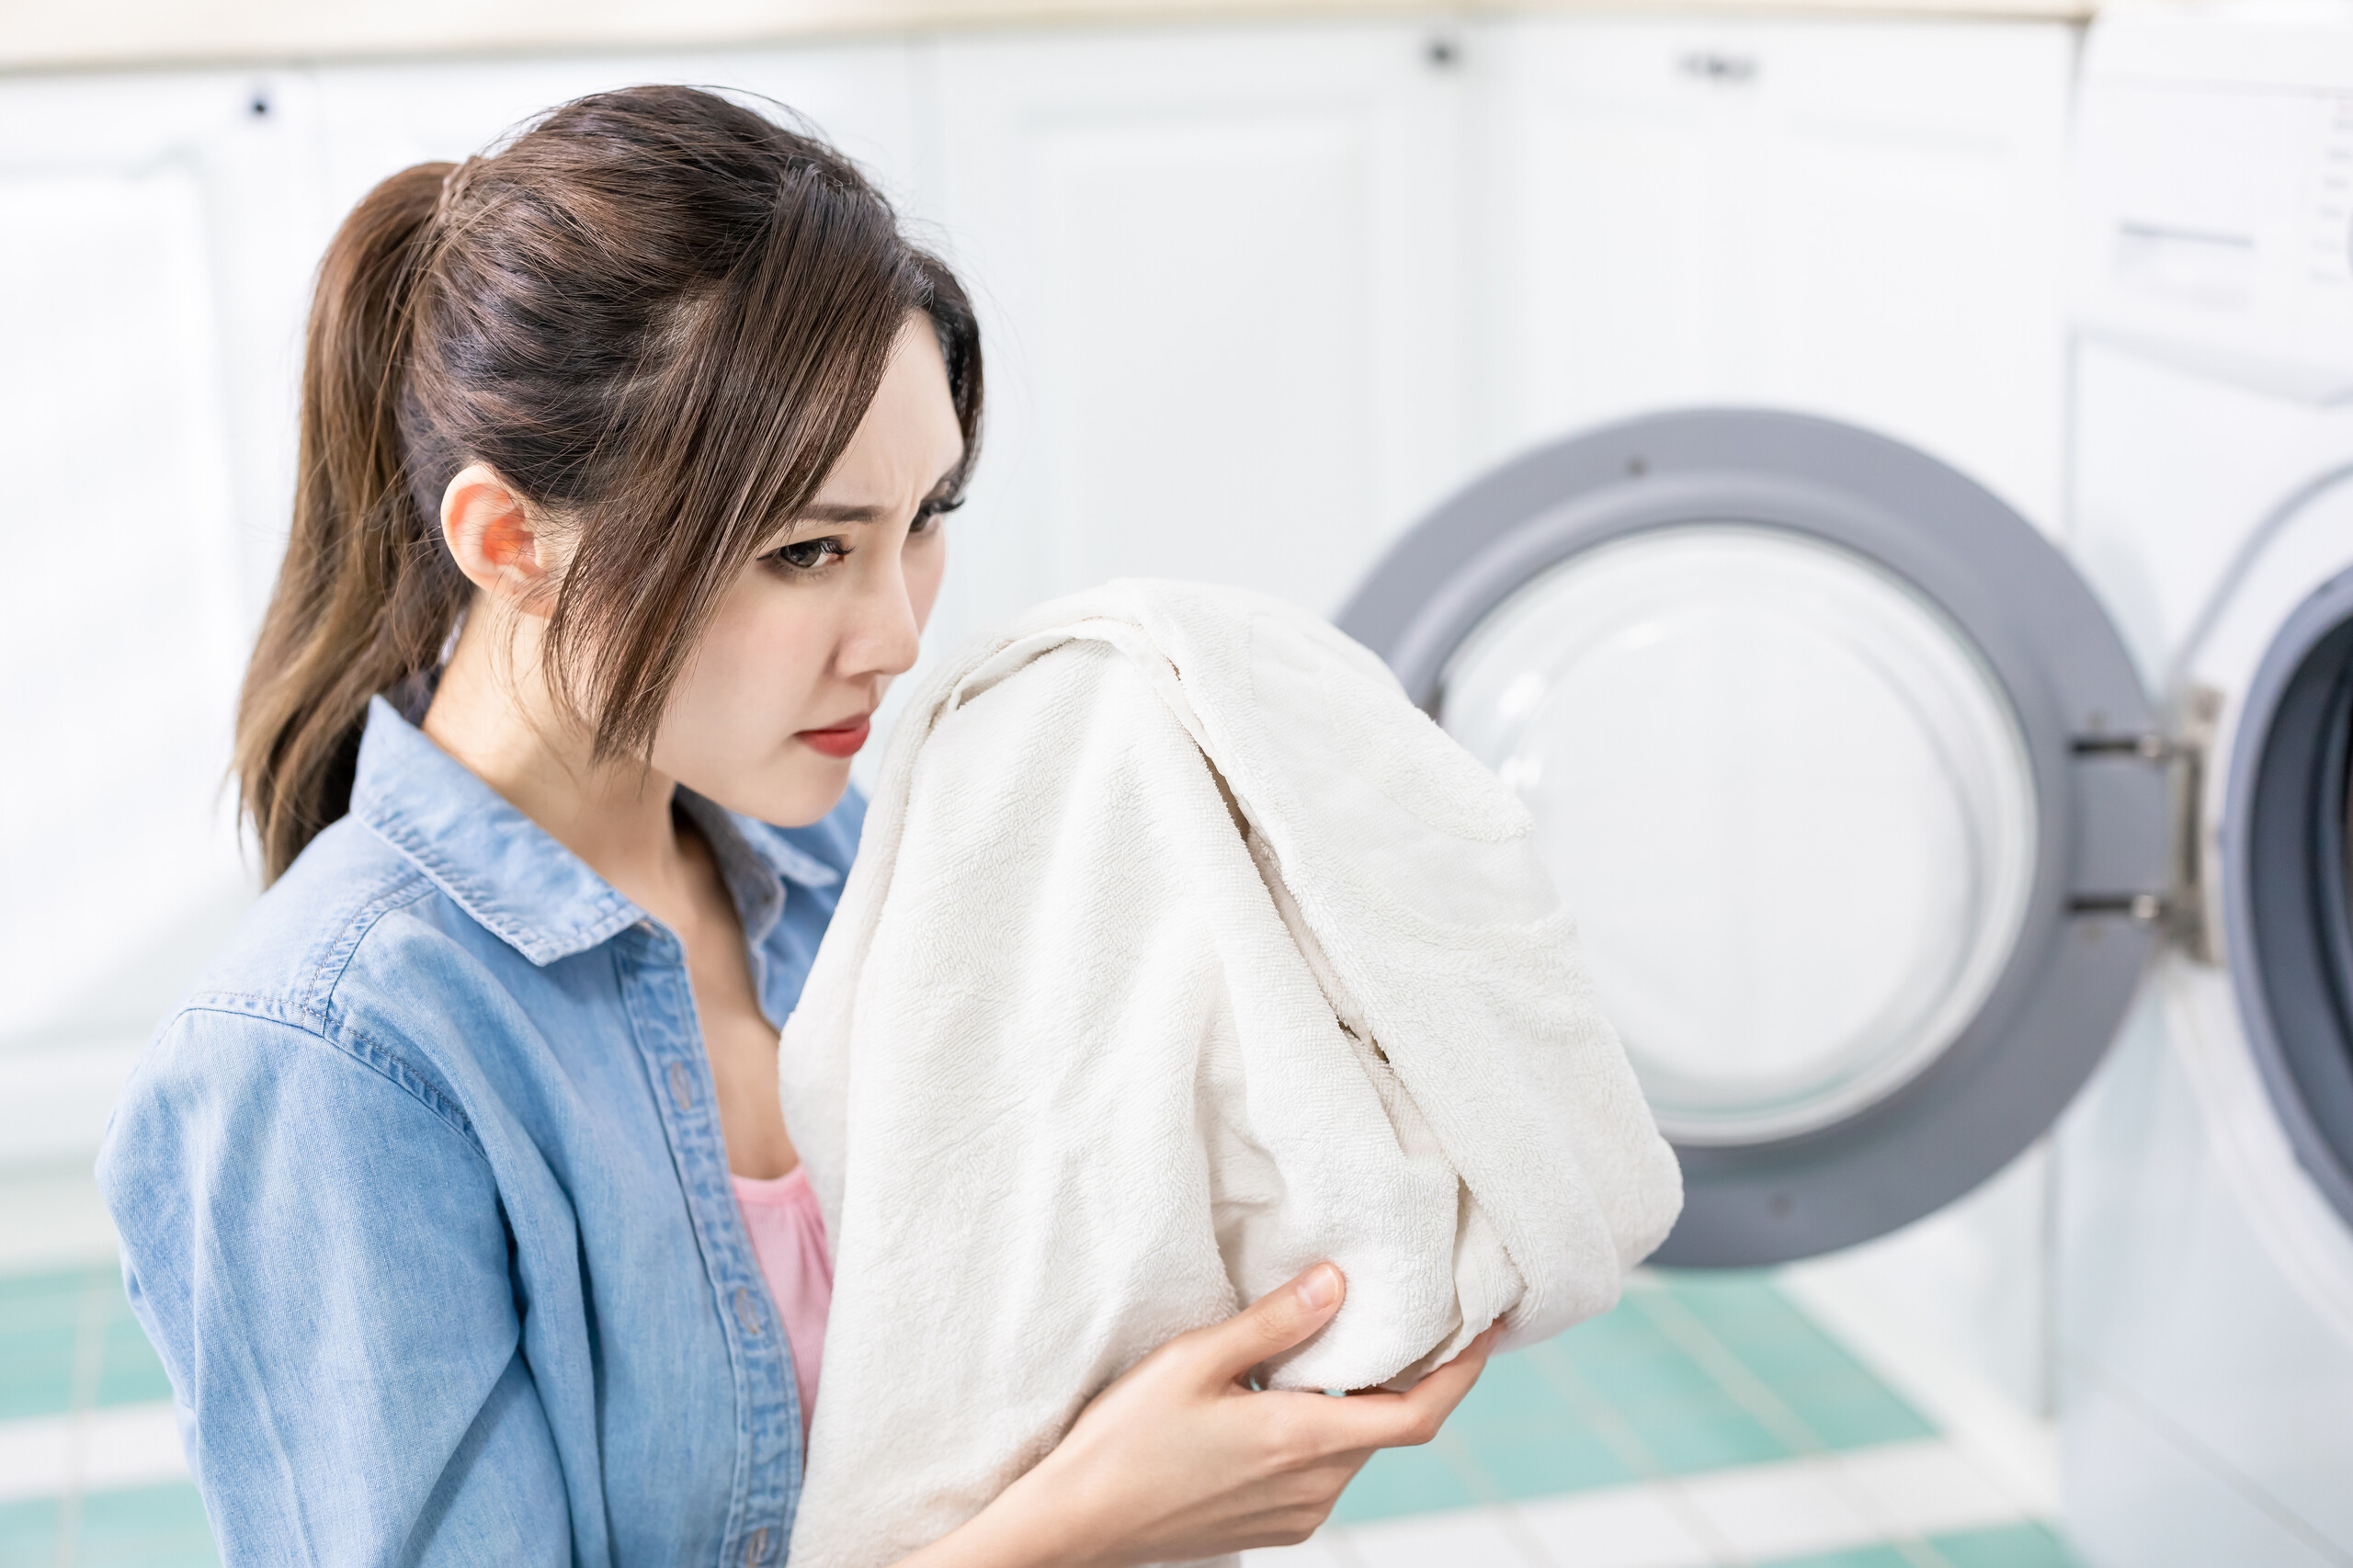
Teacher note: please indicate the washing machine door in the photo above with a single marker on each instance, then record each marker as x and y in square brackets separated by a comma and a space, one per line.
[1843, 770]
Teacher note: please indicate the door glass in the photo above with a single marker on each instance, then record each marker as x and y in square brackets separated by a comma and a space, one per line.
[1787, 800]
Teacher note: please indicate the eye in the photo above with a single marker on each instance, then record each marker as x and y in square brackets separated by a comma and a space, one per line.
[930, 512]
[808, 554]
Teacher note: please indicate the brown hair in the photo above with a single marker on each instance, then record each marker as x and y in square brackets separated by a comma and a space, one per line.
[656, 313]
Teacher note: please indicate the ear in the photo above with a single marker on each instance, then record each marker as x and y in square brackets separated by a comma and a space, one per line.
[497, 542]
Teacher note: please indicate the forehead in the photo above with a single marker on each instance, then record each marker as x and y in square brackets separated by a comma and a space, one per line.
[909, 439]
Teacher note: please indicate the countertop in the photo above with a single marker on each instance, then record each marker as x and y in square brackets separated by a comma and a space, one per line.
[46, 34]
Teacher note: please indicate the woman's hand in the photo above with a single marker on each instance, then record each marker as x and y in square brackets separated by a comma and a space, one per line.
[1180, 1458]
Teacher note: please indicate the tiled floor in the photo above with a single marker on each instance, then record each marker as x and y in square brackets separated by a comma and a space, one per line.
[90, 1466]
[1705, 1422]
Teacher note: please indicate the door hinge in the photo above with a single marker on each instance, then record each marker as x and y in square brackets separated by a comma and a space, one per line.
[2181, 910]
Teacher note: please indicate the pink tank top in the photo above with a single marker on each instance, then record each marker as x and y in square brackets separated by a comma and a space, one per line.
[787, 1233]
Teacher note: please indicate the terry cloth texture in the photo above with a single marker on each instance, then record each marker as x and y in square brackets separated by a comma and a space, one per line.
[1182, 952]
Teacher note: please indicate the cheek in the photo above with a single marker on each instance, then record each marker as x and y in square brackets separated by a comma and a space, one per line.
[744, 694]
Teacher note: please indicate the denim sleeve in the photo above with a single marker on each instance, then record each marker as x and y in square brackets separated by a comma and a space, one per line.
[314, 1240]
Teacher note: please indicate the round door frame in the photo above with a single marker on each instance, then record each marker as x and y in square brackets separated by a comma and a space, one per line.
[2288, 926]
[2100, 793]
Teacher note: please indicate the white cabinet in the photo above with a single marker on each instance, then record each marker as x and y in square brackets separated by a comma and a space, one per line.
[1859, 219]
[380, 119]
[1218, 278]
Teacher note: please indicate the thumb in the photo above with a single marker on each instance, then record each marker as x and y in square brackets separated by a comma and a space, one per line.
[1283, 1317]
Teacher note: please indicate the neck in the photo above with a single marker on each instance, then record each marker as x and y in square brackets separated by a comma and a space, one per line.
[494, 712]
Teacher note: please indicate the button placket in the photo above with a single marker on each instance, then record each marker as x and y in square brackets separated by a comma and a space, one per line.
[771, 1430]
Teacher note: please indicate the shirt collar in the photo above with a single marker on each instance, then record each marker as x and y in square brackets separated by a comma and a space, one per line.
[511, 875]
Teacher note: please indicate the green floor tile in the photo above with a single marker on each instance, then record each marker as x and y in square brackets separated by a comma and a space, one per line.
[1702, 1404]
[1745, 1293]
[1861, 1420]
[1647, 1379]
[28, 1533]
[1495, 1434]
[1853, 1557]
[1543, 1466]
[41, 1300]
[36, 1372]
[2012, 1546]
[1686, 1447]
[129, 1372]
[1512, 1387]
[1405, 1481]
[152, 1527]
[1625, 1332]
[1790, 1360]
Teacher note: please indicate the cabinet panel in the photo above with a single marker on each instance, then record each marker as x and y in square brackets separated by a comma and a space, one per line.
[1217, 273]
[1856, 219]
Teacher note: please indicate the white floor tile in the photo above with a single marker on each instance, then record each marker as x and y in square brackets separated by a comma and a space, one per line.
[129, 1445]
[132, 1444]
[1467, 1538]
[1924, 1488]
[33, 1457]
[1779, 1510]
[1618, 1526]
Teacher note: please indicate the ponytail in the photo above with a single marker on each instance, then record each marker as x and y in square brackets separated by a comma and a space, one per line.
[366, 595]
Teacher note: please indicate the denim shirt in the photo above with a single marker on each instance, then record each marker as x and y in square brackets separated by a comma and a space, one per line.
[424, 1201]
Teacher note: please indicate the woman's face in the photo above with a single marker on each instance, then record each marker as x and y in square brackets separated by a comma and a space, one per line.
[775, 703]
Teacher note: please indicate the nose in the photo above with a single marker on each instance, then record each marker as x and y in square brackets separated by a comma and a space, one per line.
[884, 635]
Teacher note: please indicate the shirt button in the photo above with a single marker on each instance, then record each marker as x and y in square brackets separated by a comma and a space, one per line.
[755, 1548]
[682, 1088]
[747, 1312]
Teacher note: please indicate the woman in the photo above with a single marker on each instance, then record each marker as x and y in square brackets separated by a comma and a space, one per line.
[456, 1197]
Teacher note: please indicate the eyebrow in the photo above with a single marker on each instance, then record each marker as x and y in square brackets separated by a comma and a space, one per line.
[852, 511]
[827, 511]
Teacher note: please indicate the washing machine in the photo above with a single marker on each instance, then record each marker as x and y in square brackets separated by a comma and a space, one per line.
[1884, 814]
[2206, 1191]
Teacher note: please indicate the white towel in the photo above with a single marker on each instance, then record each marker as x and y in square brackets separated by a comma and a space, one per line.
[1182, 952]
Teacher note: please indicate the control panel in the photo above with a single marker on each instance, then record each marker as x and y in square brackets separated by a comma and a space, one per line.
[2213, 198]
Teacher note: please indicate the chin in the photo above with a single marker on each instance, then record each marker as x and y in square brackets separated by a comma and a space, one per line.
[793, 795]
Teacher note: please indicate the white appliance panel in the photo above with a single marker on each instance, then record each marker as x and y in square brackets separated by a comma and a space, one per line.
[2209, 1408]
[2207, 1294]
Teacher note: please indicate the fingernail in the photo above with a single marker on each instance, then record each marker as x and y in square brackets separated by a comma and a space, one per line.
[1320, 1287]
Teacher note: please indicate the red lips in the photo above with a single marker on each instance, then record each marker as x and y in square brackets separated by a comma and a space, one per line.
[841, 740]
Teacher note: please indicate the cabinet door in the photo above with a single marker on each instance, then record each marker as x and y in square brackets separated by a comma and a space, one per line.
[1859, 219]
[150, 296]
[1217, 276]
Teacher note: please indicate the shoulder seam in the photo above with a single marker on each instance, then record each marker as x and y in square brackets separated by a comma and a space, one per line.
[361, 1048]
